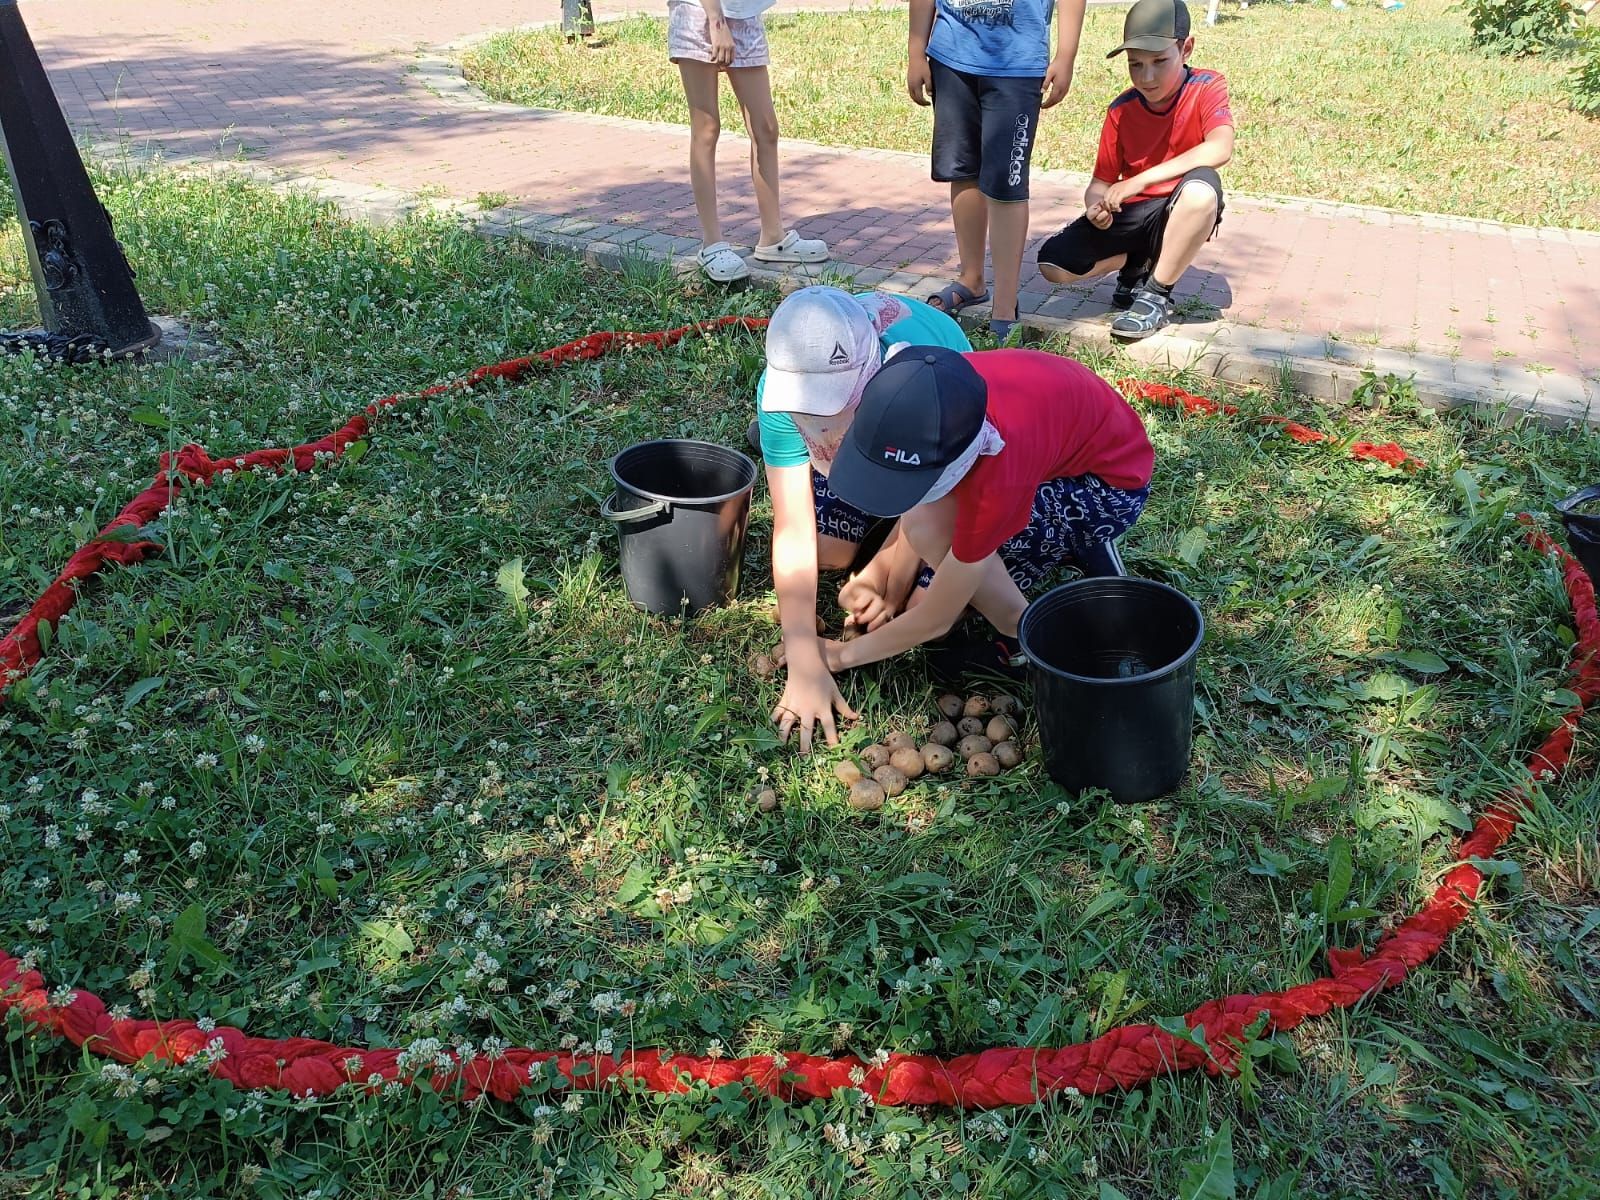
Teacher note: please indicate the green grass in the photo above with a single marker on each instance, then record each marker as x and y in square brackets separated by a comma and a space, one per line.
[436, 813]
[1363, 106]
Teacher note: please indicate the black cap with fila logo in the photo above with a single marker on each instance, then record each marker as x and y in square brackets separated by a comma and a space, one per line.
[918, 415]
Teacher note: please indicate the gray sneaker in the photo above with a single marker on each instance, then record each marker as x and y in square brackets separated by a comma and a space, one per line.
[1150, 311]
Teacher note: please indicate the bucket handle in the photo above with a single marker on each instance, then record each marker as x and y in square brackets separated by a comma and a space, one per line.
[608, 510]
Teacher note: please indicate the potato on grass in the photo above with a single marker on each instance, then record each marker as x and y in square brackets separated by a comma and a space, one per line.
[900, 741]
[891, 779]
[1006, 705]
[1008, 754]
[974, 743]
[908, 762]
[945, 734]
[866, 795]
[976, 706]
[950, 706]
[983, 764]
[874, 756]
[937, 758]
[1000, 729]
[968, 726]
[766, 800]
[847, 773]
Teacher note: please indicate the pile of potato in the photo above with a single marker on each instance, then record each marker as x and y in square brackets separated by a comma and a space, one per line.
[981, 729]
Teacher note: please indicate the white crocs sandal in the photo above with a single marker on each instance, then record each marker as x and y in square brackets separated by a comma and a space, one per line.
[794, 249]
[722, 263]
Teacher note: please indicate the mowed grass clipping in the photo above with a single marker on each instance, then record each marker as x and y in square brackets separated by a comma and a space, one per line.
[1362, 106]
[381, 754]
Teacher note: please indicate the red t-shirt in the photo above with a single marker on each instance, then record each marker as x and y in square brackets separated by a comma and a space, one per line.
[1135, 137]
[1059, 420]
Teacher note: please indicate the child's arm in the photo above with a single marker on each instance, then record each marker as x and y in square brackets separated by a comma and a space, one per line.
[879, 590]
[954, 584]
[1215, 151]
[721, 35]
[919, 76]
[1069, 28]
[810, 695]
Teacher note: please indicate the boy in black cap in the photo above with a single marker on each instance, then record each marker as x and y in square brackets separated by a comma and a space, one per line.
[1005, 464]
[1156, 197]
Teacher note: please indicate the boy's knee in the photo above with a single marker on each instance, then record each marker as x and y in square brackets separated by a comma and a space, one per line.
[705, 127]
[763, 129]
[1197, 198]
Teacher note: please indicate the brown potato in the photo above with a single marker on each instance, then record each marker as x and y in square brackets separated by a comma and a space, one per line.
[945, 734]
[762, 666]
[968, 726]
[866, 795]
[874, 756]
[950, 706]
[974, 744]
[850, 633]
[891, 779]
[976, 706]
[1008, 754]
[937, 758]
[983, 764]
[908, 762]
[1000, 729]
[900, 741]
[1006, 705]
[847, 773]
[766, 799]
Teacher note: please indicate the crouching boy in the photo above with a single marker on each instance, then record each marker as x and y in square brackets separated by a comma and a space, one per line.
[1007, 464]
[1156, 197]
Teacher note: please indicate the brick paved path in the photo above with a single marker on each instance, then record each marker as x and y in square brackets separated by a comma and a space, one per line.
[333, 90]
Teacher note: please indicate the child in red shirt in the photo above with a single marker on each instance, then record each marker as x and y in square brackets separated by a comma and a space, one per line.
[1156, 197]
[1006, 466]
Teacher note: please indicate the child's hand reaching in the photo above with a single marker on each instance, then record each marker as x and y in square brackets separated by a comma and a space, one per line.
[721, 42]
[1099, 215]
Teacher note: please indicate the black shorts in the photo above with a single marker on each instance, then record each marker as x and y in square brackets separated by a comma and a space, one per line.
[983, 129]
[1135, 231]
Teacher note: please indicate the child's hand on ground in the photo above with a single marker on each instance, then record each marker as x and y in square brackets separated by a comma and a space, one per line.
[1099, 215]
[919, 80]
[1057, 82]
[810, 698]
[721, 43]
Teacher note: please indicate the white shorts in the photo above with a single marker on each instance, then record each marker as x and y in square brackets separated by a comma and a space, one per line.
[689, 36]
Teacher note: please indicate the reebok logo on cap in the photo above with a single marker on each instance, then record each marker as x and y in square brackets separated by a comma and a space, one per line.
[840, 355]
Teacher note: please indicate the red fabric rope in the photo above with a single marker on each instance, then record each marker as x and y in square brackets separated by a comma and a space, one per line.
[192, 466]
[1121, 1058]
[1175, 397]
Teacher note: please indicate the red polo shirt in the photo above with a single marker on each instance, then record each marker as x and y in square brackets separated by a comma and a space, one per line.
[1135, 137]
[1059, 420]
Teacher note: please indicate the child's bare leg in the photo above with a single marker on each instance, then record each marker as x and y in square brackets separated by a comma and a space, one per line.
[753, 89]
[1008, 233]
[1105, 266]
[969, 213]
[1194, 216]
[705, 127]
[998, 598]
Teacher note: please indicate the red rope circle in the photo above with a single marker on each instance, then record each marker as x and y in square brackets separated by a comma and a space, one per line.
[1120, 1058]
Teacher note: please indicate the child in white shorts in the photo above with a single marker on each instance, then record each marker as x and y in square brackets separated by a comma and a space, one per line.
[705, 38]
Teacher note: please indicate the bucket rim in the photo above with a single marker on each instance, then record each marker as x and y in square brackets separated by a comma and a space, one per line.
[1567, 507]
[1090, 582]
[743, 460]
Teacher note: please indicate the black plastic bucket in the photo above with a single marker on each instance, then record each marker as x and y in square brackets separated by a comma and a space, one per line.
[1112, 664]
[681, 508]
[1580, 513]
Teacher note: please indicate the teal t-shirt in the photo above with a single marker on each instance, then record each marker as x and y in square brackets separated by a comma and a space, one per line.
[781, 443]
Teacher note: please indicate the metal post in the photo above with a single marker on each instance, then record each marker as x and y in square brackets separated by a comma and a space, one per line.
[84, 284]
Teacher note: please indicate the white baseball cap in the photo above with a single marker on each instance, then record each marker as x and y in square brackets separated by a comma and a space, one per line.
[820, 343]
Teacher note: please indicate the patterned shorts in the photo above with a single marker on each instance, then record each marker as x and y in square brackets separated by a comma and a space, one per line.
[689, 36]
[1069, 517]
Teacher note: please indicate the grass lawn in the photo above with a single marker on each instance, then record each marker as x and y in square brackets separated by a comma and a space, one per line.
[313, 772]
[1361, 106]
